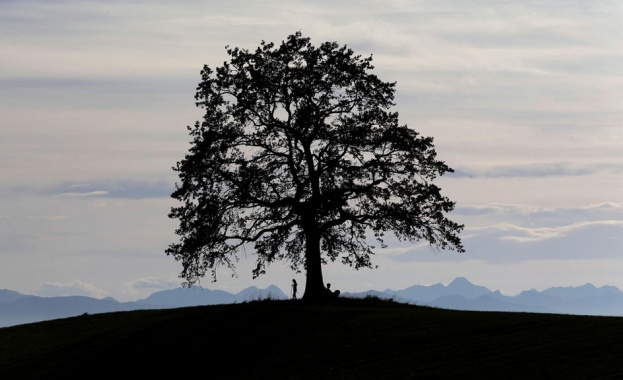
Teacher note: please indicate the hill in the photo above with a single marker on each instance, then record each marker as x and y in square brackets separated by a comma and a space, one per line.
[460, 294]
[346, 339]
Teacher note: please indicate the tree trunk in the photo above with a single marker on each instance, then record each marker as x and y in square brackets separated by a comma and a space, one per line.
[314, 284]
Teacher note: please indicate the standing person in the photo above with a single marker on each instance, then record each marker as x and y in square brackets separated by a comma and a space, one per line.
[294, 286]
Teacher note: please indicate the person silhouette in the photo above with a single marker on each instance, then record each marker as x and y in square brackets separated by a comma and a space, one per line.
[333, 294]
[294, 286]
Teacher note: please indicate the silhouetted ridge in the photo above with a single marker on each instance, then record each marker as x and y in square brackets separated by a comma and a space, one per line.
[460, 294]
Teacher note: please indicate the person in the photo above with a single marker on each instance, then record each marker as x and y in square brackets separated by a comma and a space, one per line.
[332, 293]
[294, 286]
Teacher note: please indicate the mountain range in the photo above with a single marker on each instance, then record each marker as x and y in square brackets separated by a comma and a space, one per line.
[460, 294]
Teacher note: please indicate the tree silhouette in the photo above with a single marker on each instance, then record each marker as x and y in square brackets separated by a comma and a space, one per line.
[299, 155]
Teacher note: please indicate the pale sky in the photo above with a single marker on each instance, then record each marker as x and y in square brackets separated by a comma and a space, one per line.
[524, 100]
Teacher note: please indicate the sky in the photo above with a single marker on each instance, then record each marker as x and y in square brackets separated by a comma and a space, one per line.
[524, 100]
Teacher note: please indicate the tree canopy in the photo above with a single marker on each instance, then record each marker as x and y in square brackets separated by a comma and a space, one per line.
[299, 155]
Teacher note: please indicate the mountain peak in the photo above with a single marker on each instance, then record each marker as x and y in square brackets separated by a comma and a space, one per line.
[460, 282]
[588, 286]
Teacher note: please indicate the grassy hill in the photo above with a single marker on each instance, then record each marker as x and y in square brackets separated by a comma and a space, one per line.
[346, 339]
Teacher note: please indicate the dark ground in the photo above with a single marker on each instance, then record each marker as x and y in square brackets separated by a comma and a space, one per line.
[346, 339]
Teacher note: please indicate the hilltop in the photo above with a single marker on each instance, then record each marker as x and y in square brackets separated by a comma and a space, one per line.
[346, 339]
[460, 294]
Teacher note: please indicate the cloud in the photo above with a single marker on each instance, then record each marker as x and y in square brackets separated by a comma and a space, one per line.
[89, 91]
[530, 235]
[543, 216]
[494, 209]
[120, 188]
[97, 193]
[530, 170]
[505, 242]
[512, 243]
[499, 208]
[73, 288]
[595, 65]
[145, 286]
[152, 283]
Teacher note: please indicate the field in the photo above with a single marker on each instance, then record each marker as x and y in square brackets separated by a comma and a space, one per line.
[345, 339]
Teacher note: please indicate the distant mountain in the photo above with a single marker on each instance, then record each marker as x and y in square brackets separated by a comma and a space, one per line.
[588, 290]
[27, 309]
[197, 296]
[16, 308]
[491, 302]
[194, 296]
[253, 293]
[424, 294]
[9, 296]
[460, 294]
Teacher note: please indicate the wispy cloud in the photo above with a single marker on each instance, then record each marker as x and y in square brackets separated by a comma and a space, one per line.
[529, 235]
[533, 170]
[123, 189]
[97, 193]
[505, 209]
[73, 288]
[505, 242]
[152, 283]
[509, 243]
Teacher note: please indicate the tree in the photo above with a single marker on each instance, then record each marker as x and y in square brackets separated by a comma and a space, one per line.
[299, 155]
